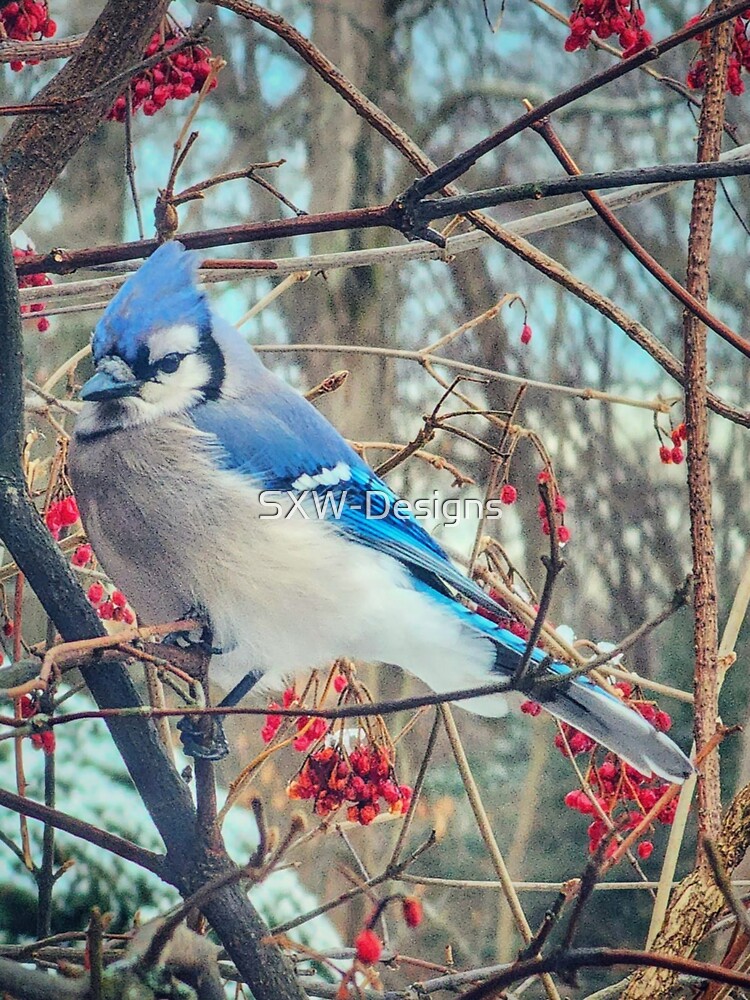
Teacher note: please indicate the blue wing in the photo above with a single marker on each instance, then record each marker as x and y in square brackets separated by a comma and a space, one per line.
[285, 444]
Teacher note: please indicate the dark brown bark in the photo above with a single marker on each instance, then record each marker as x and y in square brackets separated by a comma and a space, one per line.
[38, 147]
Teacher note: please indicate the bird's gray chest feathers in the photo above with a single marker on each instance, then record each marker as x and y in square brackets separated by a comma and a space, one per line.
[151, 503]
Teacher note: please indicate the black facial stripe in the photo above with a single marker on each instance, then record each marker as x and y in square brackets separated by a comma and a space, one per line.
[211, 352]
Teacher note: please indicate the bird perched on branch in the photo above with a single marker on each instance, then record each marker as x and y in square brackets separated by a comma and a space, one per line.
[210, 488]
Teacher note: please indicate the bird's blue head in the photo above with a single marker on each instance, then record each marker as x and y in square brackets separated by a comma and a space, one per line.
[153, 347]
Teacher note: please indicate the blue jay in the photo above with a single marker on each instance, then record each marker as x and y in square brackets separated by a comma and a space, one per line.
[209, 486]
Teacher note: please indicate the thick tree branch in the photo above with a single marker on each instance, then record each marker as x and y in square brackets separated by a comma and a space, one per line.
[35, 150]
[190, 862]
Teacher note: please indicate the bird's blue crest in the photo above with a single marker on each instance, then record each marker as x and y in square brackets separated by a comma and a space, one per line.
[162, 293]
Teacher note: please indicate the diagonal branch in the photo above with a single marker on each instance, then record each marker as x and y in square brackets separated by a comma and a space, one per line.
[457, 166]
[190, 862]
[85, 831]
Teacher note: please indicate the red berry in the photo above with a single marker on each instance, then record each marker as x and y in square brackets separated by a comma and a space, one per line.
[508, 494]
[49, 28]
[52, 520]
[96, 592]
[525, 334]
[106, 611]
[368, 946]
[16, 65]
[563, 534]
[82, 555]
[665, 454]
[645, 850]
[9, 628]
[68, 511]
[663, 721]
[678, 456]
[340, 683]
[412, 911]
[571, 799]
[118, 599]
[532, 708]
[43, 325]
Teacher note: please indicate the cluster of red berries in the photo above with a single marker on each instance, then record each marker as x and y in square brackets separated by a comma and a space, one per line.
[560, 505]
[363, 777]
[61, 514]
[622, 793]
[676, 454]
[112, 606]
[176, 77]
[604, 18]
[738, 60]
[45, 741]
[309, 730]
[26, 21]
[368, 945]
[31, 280]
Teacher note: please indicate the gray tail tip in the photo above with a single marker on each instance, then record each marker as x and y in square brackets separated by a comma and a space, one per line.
[667, 760]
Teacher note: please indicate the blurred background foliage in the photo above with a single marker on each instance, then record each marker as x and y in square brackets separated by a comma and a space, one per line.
[437, 69]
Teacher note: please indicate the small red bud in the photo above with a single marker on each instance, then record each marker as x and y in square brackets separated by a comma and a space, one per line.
[412, 911]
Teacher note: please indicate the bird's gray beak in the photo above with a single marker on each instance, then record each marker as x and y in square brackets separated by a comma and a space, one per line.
[106, 386]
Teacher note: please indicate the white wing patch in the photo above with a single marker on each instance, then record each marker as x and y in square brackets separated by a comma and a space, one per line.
[340, 473]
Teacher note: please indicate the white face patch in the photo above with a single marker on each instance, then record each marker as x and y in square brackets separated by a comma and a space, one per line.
[174, 391]
[180, 339]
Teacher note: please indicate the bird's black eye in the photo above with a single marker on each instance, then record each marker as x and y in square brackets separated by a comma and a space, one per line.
[170, 363]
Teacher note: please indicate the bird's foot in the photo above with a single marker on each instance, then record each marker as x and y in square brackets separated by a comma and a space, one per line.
[203, 737]
[201, 637]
